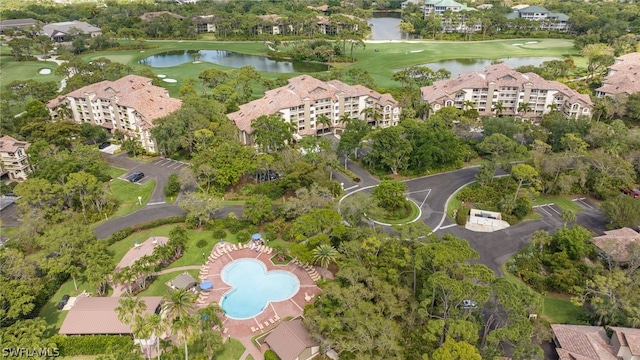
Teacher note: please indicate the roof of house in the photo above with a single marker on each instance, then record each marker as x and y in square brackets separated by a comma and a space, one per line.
[628, 337]
[623, 77]
[294, 94]
[184, 281]
[579, 342]
[289, 339]
[9, 144]
[137, 92]
[149, 16]
[616, 243]
[98, 315]
[501, 75]
[54, 29]
[534, 9]
[6, 24]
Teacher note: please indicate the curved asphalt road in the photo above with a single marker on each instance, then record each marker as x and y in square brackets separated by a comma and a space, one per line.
[431, 193]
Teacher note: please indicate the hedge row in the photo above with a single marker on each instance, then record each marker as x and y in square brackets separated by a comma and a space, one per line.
[91, 344]
[124, 233]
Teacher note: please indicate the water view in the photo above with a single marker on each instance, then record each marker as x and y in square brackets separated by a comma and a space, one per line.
[384, 26]
[459, 66]
[231, 59]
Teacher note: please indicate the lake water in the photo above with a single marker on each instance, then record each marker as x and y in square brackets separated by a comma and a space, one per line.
[459, 66]
[231, 59]
[384, 26]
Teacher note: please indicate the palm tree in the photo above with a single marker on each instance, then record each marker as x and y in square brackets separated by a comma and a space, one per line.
[524, 108]
[498, 108]
[552, 107]
[64, 111]
[127, 276]
[177, 304]
[324, 121]
[129, 307]
[142, 330]
[158, 326]
[468, 105]
[186, 328]
[324, 255]
[371, 113]
[209, 316]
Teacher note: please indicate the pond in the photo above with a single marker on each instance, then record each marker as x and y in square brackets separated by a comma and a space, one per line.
[384, 26]
[231, 59]
[459, 66]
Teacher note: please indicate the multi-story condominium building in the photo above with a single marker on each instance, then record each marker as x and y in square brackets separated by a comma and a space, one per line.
[13, 159]
[129, 104]
[306, 99]
[499, 84]
[547, 19]
[623, 77]
[439, 7]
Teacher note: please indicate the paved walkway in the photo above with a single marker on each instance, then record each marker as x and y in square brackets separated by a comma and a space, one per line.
[181, 268]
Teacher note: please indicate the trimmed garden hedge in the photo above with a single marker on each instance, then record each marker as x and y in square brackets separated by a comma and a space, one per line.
[90, 344]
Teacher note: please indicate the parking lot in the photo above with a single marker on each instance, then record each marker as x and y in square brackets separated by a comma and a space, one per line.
[170, 163]
[548, 210]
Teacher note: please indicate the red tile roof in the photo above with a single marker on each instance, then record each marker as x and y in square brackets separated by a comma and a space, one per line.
[628, 337]
[98, 315]
[578, 342]
[137, 92]
[501, 75]
[299, 89]
[616, 243]
[289, 339]
[9, 144]
[624, 76]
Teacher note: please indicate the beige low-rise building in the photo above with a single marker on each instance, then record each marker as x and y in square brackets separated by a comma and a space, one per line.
[129, 105]
[499, 84]
[620, 245]
[623, 77]
[305, 99]
[14, 160]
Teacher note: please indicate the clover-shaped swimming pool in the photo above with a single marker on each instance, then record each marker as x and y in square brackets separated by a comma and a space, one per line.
[254, 287]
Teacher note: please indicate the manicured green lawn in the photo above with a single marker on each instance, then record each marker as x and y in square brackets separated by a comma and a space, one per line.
[412, 215]
[562, 202]
[561, 311]
[232, 350]
[25, 70]
[127, 193]
[158, 287]
[555, 310]
[380, 64]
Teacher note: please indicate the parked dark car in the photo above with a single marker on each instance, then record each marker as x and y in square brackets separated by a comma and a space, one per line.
[135, 177]
[60, 305]
[104, 145]
[65, 298]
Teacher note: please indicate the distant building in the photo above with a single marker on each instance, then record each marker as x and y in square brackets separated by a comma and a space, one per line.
[206, 24]
[547, 19]
[623, 77]
[406, 3]
[439, 7]
[64, 31]
[617, 244]
[129, 104]
[16, 24]
[305, 99]
[582, 342]
[150, 16]
[501, 84]
[14, 161]
[291, 341]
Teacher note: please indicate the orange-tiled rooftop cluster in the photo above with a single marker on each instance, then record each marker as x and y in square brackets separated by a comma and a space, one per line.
[581, 342]
[500, 84]
[623, 77]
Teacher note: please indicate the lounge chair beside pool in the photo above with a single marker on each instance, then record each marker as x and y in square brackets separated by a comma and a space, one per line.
[276, 318]
[260, 326]
[272, 321]
[253, 329]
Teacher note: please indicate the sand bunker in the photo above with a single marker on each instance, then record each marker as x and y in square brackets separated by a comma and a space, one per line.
[44, 71]
[416, 51]
[170, 80]
[532, 42]
[516, 44]
[162, 76]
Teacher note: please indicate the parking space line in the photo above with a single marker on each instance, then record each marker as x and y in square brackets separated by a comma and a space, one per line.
[541, 208]
[425, 199]
[554, 209]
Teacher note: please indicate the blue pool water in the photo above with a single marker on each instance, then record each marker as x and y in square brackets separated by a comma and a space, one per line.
[254, 287]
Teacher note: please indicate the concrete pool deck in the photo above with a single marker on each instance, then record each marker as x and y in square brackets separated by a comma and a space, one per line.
[275, 311]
